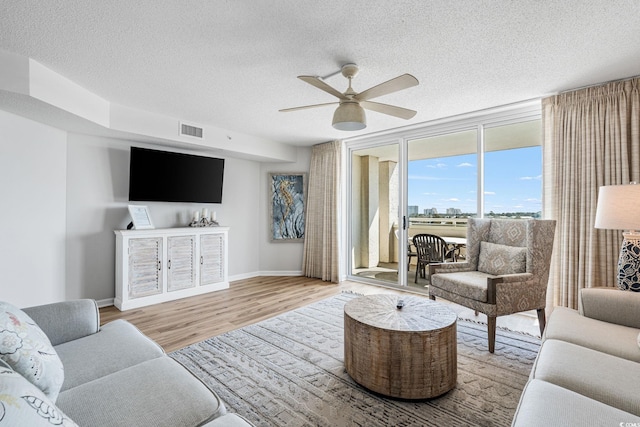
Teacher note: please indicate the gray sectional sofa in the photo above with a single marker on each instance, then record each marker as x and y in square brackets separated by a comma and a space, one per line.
[588, 369]
[113, 375]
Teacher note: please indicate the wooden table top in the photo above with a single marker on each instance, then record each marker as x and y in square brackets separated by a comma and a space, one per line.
[417, 314]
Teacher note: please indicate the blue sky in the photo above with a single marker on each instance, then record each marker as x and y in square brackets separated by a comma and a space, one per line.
[513, 181]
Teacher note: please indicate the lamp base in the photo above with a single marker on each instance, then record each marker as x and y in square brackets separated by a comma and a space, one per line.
[629, 262]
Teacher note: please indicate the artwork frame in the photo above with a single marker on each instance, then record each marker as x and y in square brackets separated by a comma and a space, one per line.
[287, 206]
[140, 217]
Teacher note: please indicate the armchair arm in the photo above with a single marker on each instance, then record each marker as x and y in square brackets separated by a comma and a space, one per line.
[610, 305]
[66, 321]
[448, 267]
[496, 282]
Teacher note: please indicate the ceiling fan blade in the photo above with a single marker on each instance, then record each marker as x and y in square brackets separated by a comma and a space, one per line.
[285, 110]
[391, 110]
[320, 84]
[401, 82]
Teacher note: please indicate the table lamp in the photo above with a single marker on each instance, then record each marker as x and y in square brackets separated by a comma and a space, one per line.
[619, 209]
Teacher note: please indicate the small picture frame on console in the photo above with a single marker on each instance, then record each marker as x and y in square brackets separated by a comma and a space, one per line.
[140, 217]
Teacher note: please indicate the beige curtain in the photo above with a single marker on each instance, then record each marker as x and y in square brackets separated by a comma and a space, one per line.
[321, 258]
[591, 138]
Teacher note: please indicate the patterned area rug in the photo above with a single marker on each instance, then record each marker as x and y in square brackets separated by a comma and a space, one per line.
[289, 371]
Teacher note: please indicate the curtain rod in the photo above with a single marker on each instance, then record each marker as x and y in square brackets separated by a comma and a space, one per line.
[599, 84]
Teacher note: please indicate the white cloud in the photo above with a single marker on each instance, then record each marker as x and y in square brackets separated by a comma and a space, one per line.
[453, 199]
[532, 200]
[437, 166]
[530, 178]
[429, 194]
[490, 193]
[465, 165]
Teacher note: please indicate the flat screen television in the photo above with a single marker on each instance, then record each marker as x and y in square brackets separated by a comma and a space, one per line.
[163, 176]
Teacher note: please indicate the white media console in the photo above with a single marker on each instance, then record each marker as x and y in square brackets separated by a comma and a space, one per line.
[159, 265]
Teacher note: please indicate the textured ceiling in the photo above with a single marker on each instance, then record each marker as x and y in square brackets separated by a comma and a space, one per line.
[233, 64]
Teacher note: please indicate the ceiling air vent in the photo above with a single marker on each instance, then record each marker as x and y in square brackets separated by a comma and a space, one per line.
[189, 130]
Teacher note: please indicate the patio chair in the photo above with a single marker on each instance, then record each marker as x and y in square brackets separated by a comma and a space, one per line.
[429, 248]
[506, 270]
[410, 253]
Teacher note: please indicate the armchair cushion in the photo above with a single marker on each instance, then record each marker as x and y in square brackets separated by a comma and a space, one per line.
[26, 348]
[468, 284]
[501, 259]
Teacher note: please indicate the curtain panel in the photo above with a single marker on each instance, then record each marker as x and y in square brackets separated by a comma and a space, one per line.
[591, 138]
[321, 256]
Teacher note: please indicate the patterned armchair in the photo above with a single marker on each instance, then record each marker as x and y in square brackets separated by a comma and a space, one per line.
[506, 270]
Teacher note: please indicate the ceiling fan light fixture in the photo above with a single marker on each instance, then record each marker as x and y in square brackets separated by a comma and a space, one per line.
[349, 116]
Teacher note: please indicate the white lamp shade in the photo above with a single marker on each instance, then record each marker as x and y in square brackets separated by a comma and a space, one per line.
[618, 207]
[349, 116]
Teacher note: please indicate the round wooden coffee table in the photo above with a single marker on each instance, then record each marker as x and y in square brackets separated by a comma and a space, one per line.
[408, 352]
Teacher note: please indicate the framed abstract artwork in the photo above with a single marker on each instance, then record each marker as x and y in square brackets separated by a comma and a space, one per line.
[287, 206]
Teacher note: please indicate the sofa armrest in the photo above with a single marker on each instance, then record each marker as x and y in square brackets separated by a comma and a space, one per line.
[611, 305]
[66, 321]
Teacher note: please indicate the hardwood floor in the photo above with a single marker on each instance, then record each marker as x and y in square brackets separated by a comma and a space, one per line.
[179, 323]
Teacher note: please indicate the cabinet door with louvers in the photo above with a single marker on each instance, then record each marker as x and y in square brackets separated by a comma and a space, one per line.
[145, 267]
[211, 258]
[181, 271]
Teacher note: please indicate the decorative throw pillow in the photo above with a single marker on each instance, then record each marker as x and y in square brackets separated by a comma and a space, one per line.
[501, 259]
[23, 404]
[26, 348]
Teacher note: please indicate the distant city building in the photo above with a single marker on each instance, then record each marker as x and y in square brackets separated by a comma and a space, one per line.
[431, 212]
[454, 211]
[412, 210]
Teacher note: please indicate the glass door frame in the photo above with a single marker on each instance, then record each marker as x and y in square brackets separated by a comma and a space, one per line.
[480, 120]
[348, 151]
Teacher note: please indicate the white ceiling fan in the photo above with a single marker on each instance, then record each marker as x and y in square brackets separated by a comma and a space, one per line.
[350, 114]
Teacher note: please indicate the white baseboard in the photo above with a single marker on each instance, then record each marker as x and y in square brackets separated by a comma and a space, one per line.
[281, 273]
[110, 301]
[244, 276]
[105, 302]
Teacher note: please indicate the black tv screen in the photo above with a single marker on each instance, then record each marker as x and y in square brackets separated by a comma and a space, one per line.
[163, 176]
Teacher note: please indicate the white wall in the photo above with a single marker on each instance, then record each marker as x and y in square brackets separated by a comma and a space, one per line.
[63, 195]
[281, 257]
[97, 199]
[32, 215]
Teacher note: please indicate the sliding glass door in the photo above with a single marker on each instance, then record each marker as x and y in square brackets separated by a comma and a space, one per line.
[430, 180]
[374, 213]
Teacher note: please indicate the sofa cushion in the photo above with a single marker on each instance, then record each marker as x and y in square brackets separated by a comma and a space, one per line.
[581, 369]
[501, 259]
[24, 404]
[26, 348]
[546, 404]
[157, 393]
[568, 325]
[229, 420]
[116, 346]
